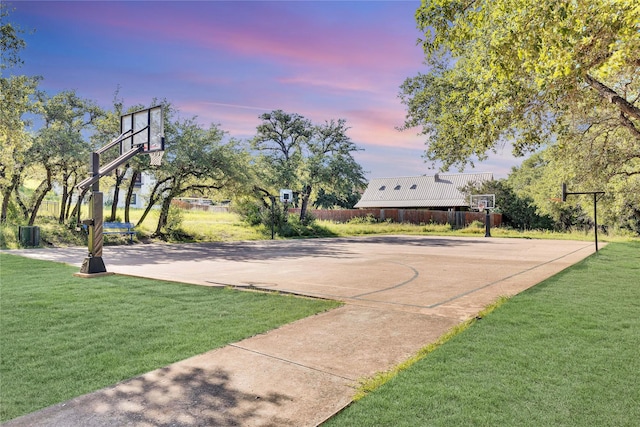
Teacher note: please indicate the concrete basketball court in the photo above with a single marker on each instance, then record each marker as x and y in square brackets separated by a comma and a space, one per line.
[401, 293]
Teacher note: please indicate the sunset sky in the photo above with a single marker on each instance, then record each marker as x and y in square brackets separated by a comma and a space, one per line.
[227, 62]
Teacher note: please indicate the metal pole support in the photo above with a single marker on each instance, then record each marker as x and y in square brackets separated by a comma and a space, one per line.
[595, 194]
[93, 263]
[273, 216]
[487, 224]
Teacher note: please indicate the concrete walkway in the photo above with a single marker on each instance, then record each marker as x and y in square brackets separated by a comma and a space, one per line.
[401, 293]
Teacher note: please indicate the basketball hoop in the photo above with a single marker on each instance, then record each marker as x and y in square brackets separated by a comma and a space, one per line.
[156, 157]
[482, 202]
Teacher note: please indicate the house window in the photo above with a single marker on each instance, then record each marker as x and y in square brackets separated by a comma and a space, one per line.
[134, 199]
[397, 187]
[414, 186]
[382, 188]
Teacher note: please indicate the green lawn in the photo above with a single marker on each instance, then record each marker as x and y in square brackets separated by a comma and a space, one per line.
[564, 353]
[199, 226]
[62, 336]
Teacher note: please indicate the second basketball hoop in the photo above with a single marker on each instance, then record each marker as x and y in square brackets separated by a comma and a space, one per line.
[481, 202]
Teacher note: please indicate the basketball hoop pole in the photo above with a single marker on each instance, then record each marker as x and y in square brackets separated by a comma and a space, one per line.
[484, 202]
[143, 128]
[487, 223]
[595, 194]
[93, 263]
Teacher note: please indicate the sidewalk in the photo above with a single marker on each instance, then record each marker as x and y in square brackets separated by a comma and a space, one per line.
[401, 293]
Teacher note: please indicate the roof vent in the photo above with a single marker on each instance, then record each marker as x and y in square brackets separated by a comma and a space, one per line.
[382, 188]
[413, 187]
[397, 187]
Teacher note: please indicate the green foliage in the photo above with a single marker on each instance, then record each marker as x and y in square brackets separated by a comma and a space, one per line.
[310, 159]
[308, 227]
[528, 73]
[11, 42]
[17, 99]
[518, 212]
[476, 224]
[249, 210]
[175, 219]
[8, 236]
[197, 161]
[284, 225]
[277, 217]
[539, 179]
[368, 219]
[330, 200]
[59, 147]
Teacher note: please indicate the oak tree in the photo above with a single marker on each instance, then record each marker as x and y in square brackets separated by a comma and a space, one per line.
[17, 99]
[296, 154]
[527, 73]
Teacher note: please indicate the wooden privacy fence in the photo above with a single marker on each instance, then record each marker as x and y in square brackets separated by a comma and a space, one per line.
[412, 216]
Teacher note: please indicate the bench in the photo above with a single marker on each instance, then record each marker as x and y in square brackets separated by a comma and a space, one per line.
[125, 228]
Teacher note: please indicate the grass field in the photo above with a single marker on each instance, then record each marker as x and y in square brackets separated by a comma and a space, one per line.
[199, 226]
[63, 336]
[563, 353]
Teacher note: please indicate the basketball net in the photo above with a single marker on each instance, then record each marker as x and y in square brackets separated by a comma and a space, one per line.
[481, 206]
[156, 157]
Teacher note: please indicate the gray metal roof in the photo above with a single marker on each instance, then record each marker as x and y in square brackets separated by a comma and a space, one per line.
[434, 191]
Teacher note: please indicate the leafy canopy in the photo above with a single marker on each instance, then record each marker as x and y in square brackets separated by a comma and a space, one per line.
[312, 160]
[524, 72]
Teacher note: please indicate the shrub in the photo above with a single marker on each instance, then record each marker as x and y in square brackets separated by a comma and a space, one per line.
[174, 219]
[369, 219]
[476, 224]
[250, 212]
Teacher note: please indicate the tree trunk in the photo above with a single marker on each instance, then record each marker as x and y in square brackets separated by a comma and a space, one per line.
[23, 207]
[305, 202]
[164, 215]
[77, 211]
[116, 194]
[70, 199]
[153, 198]
[6, 196]
[127, 201]
[65, 197]
[40, 194]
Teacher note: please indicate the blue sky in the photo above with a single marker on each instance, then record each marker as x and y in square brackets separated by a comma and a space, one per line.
[227, 62]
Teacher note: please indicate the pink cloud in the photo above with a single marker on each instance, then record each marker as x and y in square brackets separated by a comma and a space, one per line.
[267, 30]
[346, 83]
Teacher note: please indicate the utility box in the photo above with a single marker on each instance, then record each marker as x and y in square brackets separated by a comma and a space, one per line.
[29, 236]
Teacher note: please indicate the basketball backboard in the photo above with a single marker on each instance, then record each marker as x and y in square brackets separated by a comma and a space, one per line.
[481, 202]
[146, 129]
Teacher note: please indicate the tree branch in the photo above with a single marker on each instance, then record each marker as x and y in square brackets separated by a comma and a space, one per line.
[629, 125]
[612, 96]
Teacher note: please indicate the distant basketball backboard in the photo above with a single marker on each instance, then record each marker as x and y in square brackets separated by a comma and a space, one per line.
[146, 129]
[481, 202]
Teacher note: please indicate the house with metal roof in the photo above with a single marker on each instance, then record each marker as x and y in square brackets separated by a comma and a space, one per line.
[440, 191]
